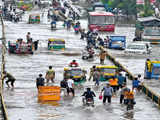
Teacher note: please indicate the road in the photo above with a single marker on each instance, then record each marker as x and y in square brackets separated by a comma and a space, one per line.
[22, 100]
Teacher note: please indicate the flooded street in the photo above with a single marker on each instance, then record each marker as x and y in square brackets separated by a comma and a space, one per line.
[22, 101]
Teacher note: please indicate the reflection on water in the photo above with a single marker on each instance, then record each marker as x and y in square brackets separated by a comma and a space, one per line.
[129, 115]
[52, 103]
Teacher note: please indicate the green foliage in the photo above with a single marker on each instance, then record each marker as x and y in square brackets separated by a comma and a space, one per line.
[127, 6]
[130, 7]
[29, 5]
[148, 13]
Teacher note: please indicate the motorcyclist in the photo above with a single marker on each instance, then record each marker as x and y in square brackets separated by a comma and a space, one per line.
[88, 94]
[73, 64]
[90, 52]
[130, 97]
[53, 24]
[77, 27]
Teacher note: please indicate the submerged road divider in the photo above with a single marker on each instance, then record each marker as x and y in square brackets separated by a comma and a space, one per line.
[146, 90]
[120, 66]
[4, 114]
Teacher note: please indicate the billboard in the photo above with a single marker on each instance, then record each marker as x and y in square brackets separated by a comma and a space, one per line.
[152, 1]
[140, 2]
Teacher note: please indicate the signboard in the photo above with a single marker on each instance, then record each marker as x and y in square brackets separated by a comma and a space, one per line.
[152, 1]
[49, 93]
[140, 2]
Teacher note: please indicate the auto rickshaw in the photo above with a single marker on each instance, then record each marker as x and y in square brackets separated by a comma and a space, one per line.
[34, 18]
[152, 70]
[20, 47]
[107, 72]
[56, 44]
[76, 73]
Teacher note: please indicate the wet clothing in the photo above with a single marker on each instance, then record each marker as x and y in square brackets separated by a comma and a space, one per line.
[89, 94]
[70, 86]
[108, 98]
[114, 83]
[121, 81]
[123, 93]
[64, 84]
[40, 82]
[36, 45]
[108, 91]
[130, 95]
[28, 38]
[50, 75]
[102, 57]
[10, 79]
[91, 73]
[96, 77]
[70, 90]
[135, 83]
[70, 83]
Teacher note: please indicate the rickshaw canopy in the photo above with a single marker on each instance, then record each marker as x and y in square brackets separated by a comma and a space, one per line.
[111, 67]
[56, 39]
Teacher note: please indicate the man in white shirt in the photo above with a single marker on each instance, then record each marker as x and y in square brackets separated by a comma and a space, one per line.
[70, 88]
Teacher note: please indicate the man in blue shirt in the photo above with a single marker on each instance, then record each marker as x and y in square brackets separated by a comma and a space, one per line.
[121, 80]
[135, 83]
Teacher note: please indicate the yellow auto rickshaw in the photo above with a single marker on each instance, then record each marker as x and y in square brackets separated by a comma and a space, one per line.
[107, 72]
[56, 44]
[76, 73]
[34, 18]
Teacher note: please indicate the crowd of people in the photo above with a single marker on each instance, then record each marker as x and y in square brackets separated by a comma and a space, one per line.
[10, 13]
[115, 83]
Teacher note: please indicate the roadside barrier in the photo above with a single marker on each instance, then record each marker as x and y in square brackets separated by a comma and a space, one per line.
[120, 66]
[3, 106]
[155, 97]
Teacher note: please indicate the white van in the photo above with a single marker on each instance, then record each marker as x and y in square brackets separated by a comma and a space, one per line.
[138, 48]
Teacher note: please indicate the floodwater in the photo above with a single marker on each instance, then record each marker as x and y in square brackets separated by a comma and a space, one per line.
[22, 100]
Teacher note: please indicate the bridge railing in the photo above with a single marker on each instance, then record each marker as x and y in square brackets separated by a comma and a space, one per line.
[3, 106]
[146, 90]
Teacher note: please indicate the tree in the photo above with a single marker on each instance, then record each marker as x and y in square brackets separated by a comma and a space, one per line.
[127, 6]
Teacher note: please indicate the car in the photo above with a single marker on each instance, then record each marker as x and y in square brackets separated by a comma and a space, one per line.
[138, 48]
[151, 35]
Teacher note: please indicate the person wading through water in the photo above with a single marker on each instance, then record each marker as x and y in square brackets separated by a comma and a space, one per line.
[50, 75]
[10, 79]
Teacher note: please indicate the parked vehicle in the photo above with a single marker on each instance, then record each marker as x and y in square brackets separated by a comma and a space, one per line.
[56, 44]
[138, 48]
[117, 42]
[147, 29]
[152, 70]
[151, 35]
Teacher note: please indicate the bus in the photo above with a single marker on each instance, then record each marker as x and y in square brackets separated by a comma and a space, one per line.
[101, 21]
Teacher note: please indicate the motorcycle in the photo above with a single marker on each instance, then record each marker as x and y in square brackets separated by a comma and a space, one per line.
[88, 102]
[130, 105]
[87, 56]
